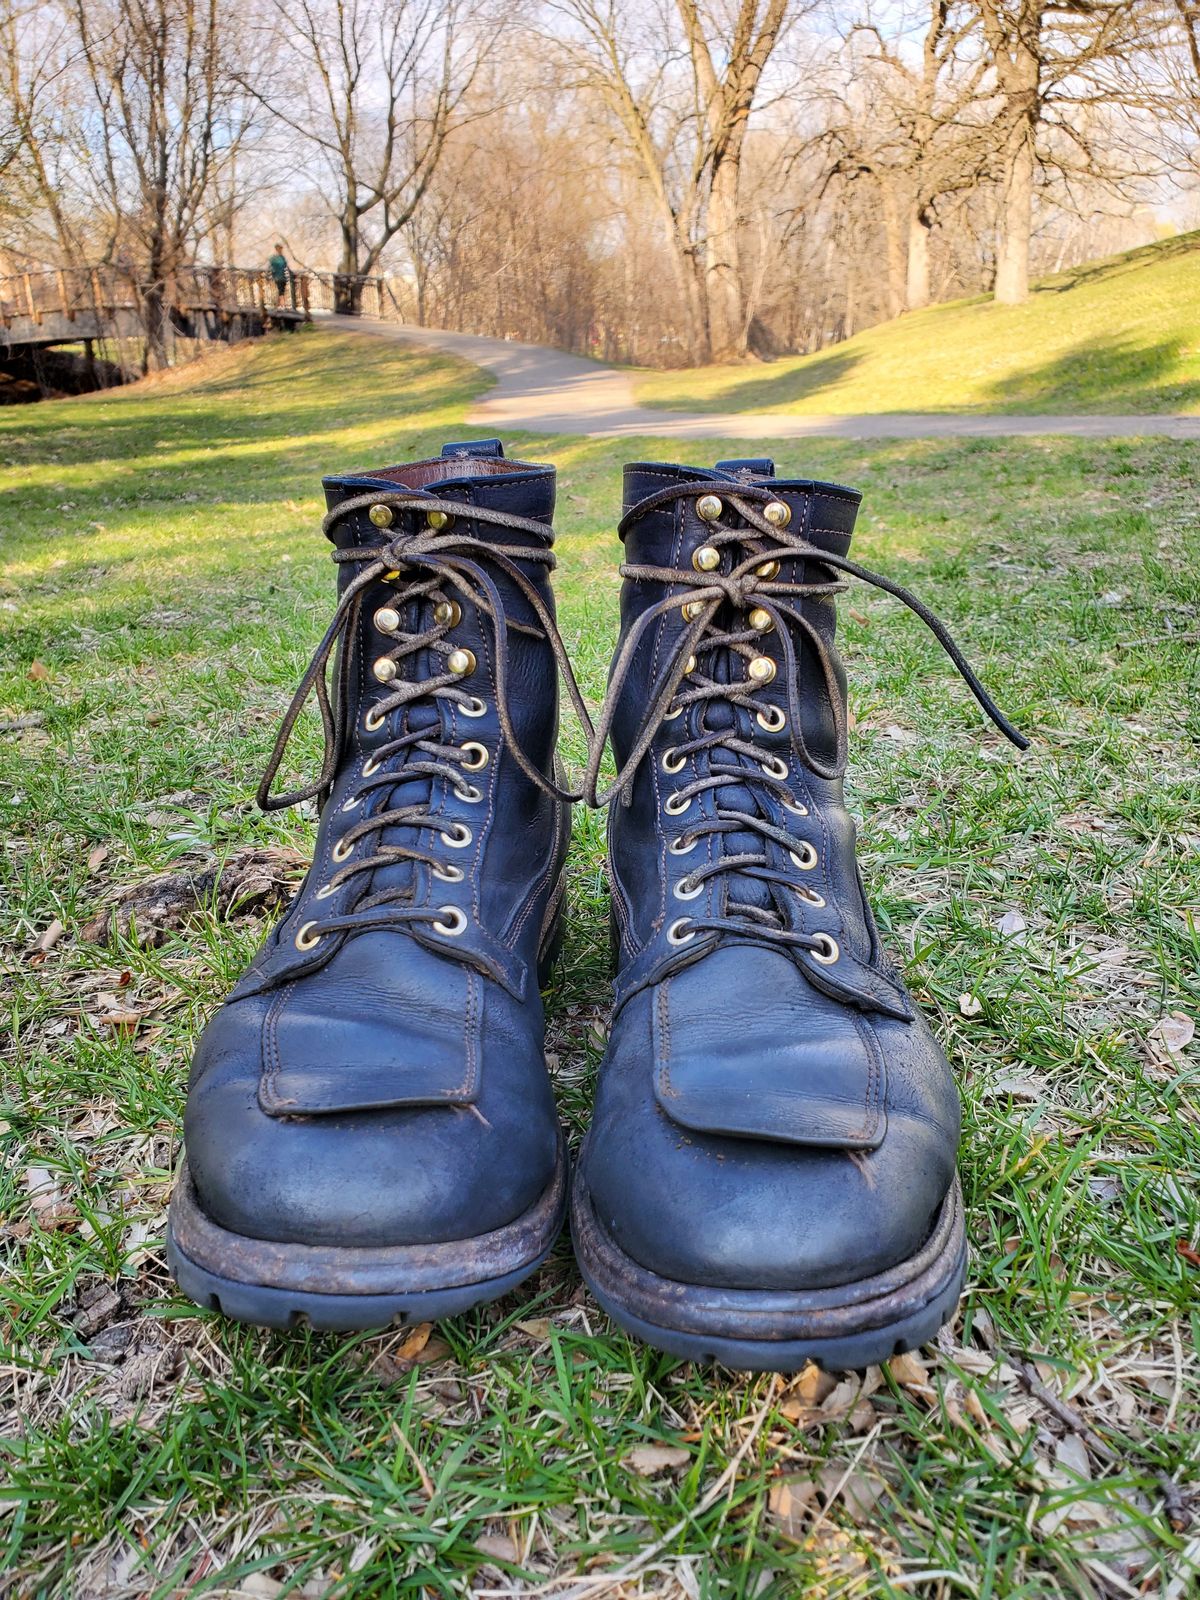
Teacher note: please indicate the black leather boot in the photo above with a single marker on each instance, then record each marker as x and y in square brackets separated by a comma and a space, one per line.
[770, 1173]
[370, 1129]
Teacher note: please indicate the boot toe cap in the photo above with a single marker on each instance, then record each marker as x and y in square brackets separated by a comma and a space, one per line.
[420, 1174]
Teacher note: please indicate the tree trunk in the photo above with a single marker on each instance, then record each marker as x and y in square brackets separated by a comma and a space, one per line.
[916, 289]
[723, 274]
[895, 249]
[1023, 97]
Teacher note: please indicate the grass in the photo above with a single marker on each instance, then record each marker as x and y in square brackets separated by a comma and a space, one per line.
[1113, 337]
[165, 582]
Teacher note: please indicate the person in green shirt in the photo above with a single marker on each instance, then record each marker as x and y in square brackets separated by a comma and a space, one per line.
[278, 268]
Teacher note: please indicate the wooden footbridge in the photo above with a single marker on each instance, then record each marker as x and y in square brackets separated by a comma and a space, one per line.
[83, 304]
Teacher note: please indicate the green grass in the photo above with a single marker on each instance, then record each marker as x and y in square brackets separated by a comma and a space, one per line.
[165, 581]
[1114, 337]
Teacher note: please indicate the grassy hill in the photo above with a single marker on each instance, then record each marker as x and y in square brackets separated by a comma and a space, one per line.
[1113, 336]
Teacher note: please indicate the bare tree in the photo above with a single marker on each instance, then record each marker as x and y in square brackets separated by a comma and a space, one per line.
[374, 87]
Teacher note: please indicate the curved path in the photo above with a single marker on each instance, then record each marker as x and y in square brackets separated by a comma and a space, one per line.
[541, 390]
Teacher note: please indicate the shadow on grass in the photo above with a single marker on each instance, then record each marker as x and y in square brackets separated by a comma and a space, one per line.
[1111, 375]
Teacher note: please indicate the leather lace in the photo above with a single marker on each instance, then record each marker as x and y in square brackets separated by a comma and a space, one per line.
[431, 565]
[733, 759]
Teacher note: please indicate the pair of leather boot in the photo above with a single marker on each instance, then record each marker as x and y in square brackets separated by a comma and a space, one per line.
[769, 1177]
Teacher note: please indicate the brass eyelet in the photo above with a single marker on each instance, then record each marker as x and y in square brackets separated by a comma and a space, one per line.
[672, 761]
[709, 507]
[306, 939]
[806, 857]
[461, 663]
[371, 766]
[775, 767]
[342, 851]
[681, 893]
[761, 620]
[481, 757]
[706, 558]
[374, 720]
[381, 516]
[768, 570]
[771, 718]
[468, 794]
[674, 806]
[761, 670]
[325, 891]
[447, 613]
[829, 951]
[460, 838]
[448, 874]
[472, 706]
[691, 609]
[438, 519]
[385, 669]
[387, 619]
[678, 848]
[675, 934]
[456, 925]
[778, 513]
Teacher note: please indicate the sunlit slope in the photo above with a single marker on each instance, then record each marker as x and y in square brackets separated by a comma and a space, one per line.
[1116, 336]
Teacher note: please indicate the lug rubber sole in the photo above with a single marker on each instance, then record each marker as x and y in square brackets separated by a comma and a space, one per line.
[350, 1288]
[842, 1329]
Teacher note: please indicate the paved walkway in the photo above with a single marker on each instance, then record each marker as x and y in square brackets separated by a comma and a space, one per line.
[546, 391]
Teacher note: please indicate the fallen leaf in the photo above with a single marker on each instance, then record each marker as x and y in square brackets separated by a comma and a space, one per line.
[1010, 924]
[536, 1328]
[1173, 1033]
[648, 1460]
[414, 1342]
[49, 937]
[1187, 1252]
[789, 1505]
[857, 1494]
[39, 672]
[1071, 1453]
[120, 1019]
[499, 1546]
[97, 857]
[970, 1005]
[909, 1371]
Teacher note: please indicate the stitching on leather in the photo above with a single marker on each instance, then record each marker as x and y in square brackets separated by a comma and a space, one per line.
[470, 1041]
[872, 1105]
[271, 1066]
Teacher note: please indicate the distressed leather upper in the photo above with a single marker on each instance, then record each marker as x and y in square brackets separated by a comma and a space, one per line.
[377, 1075]
[764, 1118]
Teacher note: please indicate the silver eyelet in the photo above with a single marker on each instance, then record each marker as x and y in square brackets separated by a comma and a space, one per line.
[678, 848]
[481, 757]
[342, 851]
[448, 874]
[805, 858]
[460, 838]
[672, 761]
[355, 800]
[771, 718]
[468, 794]
[674, 807]
[775, 767]
[809, 896]
[675, 934]
[373, 720]
[687, 894]
[306, 939]
[671, 716]
[457, 923]
[794, 806]
[472, 706]
[325, 891]
[371, 766]
[828, 953]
